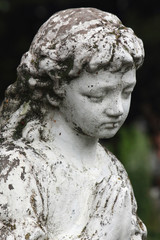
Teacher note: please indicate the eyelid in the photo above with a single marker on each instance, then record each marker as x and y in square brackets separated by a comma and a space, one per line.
[93, 95]
[129, 88]
[93, 98]
[127, 93]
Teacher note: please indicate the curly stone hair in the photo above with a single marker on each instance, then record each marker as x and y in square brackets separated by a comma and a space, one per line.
[70, 42]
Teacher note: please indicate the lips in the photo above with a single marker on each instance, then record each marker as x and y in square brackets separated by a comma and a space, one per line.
[110, 125]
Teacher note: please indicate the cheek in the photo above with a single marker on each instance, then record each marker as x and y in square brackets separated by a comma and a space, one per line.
[86, 119]
[126, 107]
[85, 116]
[81, 114]
[74, 111]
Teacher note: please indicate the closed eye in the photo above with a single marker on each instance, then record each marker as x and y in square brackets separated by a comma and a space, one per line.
[127, 93]
[95, 99]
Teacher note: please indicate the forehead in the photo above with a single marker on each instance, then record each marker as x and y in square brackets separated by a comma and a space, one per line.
[104, 79]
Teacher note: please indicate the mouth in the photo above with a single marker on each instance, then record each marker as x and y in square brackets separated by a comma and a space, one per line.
[110, 125]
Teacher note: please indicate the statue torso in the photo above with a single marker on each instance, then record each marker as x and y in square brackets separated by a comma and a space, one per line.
[45, 195]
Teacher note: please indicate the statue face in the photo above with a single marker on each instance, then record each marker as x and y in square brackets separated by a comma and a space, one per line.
[97, 104]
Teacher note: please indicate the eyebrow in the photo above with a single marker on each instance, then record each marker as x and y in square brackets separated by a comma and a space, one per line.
[126, 84]
[102, 88]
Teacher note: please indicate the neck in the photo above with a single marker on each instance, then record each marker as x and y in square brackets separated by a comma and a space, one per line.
[75, 146]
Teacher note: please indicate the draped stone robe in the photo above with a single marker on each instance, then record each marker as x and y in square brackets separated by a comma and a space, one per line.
[44, 196]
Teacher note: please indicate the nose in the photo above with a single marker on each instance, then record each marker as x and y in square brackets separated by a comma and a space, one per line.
[114, 108]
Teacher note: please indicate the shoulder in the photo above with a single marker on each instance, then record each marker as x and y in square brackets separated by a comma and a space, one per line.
[15, 168]
[18, 186]
[20, 156]
[12, 158]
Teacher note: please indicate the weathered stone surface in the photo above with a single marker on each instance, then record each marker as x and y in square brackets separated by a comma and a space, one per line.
[51, 198]
[74, 86]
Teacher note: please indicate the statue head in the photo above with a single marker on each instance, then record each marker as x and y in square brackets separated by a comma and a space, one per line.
[70, 43]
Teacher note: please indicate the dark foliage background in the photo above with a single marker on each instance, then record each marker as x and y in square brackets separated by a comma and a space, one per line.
[20, 20]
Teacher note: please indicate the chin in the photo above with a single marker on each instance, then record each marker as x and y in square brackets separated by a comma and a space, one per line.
[105, 134]
[109, 134]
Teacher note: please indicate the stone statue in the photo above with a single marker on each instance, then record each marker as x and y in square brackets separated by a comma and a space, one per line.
[73, 88]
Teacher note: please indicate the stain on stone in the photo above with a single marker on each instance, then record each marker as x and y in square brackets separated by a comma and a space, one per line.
[79, 130]
[33, 203]
[115, 202]
[6, 166]
[11, 226]
[27, 236]
[106, 203]
[23, 173]
[10, 147]
[140, 223]
[29, 211]
[22, 152]
[10, 186]
[4, 206]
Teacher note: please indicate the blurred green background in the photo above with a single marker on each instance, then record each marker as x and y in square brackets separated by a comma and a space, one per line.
[137, 144]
